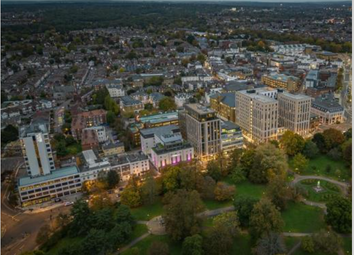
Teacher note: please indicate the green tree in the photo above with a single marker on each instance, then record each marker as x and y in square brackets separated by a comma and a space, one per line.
[208, 188]
[181, 214]
[339, 214]
[244, 206]
[300, 163]
[111, 118]
[123, 214]
[9, 134]
[265, 218]
[307, 244]
[310, 149]
[223, 192]
[238, 175]
[327, 242]
[130, 197]
[43, 234]
[278, 192]
[268, 162]
[247, 160]
[149, 190]
[347, 151]
[229, 220]
[167, 104]
[214, 170]
[95, 242]
[272, 244]
[292, 143]
[319, 140]
[192, 245]
[218, 241]
[112, 179]
[80, 214]
[333, 138]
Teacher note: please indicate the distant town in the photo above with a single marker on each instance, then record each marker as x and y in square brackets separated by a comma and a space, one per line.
[176, 128]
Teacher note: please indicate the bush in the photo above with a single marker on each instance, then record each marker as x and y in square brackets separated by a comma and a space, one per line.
[334, 154]
[307, 244]
[332, 186]
[309, 181]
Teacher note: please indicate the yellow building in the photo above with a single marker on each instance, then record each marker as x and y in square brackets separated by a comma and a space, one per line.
[283, 81]
[224, 105]
[113, 149]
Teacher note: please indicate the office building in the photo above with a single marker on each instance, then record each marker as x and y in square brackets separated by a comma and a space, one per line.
[36, 149]
[294, 112]
[282, 81]
[203, 131]
[327, 108]
[257, 115]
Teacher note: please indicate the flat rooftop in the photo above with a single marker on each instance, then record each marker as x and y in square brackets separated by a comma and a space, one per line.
[56, 174]
[200, 109]
[157, 118]
[295, 96]
[150, 132]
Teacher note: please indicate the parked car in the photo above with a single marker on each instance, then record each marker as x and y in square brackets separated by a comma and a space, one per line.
[56, 200]
[68, 203]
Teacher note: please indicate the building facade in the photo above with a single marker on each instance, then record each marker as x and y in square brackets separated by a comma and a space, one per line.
[294, 112]
[224, 105]
[203, 131]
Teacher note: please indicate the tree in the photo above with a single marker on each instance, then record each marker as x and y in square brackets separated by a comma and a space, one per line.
[300, 163]
[167, 104]
[272, 244]
[9, 134]
[43, 234]
[111, 118]
[181, 214]
[333, 138]
[101, 201]
[208, 188]
[244, 206]
[112, 179]
[292, 143]
[170, 178]
[223, 192]
[307, 244]
[228, 220]
[265, 218]
[103, 219]
[278, 192]
[123, 214]
[95, 242]
[218, 241]
[268, 162]
[347, 151]
[335, 154]
[319, 140]
[237, 175]
[149, 190]
[192, 245]
[158, 248]
[130, 196]
[80, 213]
[339, 214]
[327, 242]
[213, 170]
[310, 150]
[247, 160]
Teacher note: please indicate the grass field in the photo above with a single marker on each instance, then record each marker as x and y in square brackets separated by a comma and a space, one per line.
[250, 189]
[147, 212]
[318, 166]
[326, 194]
[139, 230]
[66, 241]
[143, 245]
[242, 245]
[347, 245]
[212, 204]
[299, 217]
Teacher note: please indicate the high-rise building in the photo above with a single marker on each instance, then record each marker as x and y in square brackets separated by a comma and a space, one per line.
[36, 149]
[203, 130]
[294, 112]
[257, 114]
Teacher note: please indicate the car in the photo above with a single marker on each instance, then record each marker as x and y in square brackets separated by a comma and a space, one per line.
[56, 200]
[120, 189]
[68, 203]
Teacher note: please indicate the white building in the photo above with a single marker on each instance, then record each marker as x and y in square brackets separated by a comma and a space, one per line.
[170, 149]
[36, 149]
[182, 98]
[92, 166]
[148, 136]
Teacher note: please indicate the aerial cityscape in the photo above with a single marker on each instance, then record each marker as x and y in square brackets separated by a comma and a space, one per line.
[193, 128]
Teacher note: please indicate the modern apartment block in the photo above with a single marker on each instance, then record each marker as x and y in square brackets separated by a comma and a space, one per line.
[170, 149]
[257, 115]
[327, 108]
[203, 130]
[294, 112]
[283, 81]
[231, 137]
[36, 149]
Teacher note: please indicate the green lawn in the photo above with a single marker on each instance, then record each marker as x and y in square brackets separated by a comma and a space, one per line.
[326, 194]
[143, 245]
[290, 242]
[139, 230]
[319, 165]
[250, 189]
[242, 245]
[299, 217]
[212, 204]
[347, 245]
[147, 212]
[66, 241]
